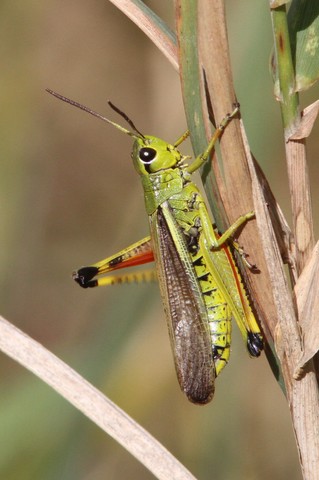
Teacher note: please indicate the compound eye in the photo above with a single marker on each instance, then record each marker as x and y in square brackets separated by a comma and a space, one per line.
[147, 154]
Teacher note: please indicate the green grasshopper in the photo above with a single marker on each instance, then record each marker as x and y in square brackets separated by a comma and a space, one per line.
[200, 285]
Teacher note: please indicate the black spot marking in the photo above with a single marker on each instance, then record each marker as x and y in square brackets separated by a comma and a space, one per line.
[116, 261]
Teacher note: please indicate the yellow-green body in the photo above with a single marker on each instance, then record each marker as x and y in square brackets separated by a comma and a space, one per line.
[182, 232]
[199, 281]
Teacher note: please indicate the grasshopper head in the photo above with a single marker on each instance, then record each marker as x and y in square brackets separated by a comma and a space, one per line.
[151, 154]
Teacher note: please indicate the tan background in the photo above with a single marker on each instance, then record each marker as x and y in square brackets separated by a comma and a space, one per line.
[69, 196]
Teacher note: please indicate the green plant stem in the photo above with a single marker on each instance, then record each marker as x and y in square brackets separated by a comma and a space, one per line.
[289, 99]
[297, 167]
[191, 79]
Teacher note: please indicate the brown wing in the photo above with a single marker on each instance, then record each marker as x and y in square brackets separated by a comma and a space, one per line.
[184, 307]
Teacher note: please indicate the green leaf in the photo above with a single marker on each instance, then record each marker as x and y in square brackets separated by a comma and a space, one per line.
[303, 21]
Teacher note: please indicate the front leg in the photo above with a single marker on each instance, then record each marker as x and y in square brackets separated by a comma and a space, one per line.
[201, 159]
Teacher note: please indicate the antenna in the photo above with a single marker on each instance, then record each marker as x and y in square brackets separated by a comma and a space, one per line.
[95, 114]
[126, 118]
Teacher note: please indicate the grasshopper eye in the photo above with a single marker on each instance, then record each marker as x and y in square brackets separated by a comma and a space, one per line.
[147, 154]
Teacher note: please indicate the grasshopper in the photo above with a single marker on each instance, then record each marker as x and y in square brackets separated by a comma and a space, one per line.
[200, 284]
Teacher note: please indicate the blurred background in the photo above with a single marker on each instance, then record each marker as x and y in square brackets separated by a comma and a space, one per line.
[70, 197]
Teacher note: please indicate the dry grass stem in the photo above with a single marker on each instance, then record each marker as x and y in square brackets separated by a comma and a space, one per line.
[90, 401]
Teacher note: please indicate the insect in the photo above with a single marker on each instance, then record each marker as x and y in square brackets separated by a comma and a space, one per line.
[200, 285]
